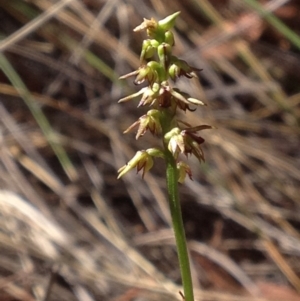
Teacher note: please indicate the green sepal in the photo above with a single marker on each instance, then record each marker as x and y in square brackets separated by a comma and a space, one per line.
[168, 22]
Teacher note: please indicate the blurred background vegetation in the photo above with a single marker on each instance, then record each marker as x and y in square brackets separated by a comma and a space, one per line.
[70, 231]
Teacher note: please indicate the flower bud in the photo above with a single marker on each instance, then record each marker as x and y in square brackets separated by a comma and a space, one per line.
[174, 71]
[168, 22]
[169, 38]
[149, 52]
[164, 54]
[148, 49]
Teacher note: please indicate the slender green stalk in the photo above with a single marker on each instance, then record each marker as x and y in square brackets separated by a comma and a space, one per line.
[172, 185]
[178, 137]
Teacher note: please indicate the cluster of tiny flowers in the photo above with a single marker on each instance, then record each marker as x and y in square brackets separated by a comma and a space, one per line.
[160, 69]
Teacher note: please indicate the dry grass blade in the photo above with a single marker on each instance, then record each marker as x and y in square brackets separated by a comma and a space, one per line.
[33, 25]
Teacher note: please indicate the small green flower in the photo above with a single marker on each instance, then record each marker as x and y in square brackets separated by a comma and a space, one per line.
[142, 161]
[149, 121]
[158, 30]
[175, 142]
[181, 68]
[145, 73]
[183, 170]
[158, 70]
[150, 95]
[148, 49]
[152, 72]
[186, 141]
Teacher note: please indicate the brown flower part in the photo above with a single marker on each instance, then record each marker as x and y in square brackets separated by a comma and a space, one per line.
[149, 25]
[150, 121]
[193, 141]
[186, 141]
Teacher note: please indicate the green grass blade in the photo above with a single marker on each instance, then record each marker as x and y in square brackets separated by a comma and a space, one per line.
[275, 22]
[39, 116]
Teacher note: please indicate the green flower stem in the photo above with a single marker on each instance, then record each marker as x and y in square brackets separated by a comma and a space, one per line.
[172, 185]
[162, 120]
